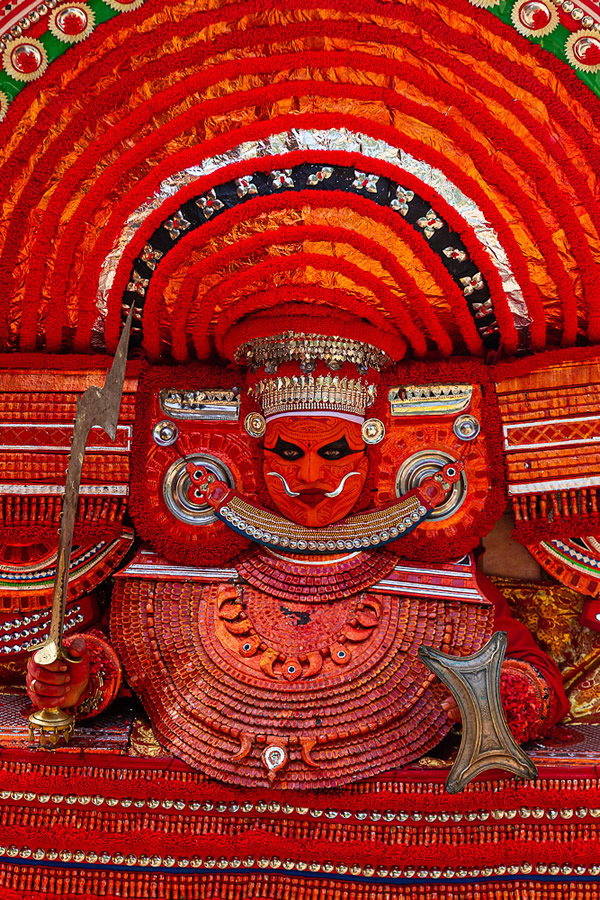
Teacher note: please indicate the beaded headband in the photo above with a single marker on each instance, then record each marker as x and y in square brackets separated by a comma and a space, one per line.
[325, 393]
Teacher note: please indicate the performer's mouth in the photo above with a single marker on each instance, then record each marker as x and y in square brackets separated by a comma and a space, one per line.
[311, 498]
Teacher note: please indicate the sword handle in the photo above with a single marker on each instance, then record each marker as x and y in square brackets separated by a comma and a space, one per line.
[50, 652]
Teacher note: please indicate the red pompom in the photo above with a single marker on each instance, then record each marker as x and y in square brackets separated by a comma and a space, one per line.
[525, 700]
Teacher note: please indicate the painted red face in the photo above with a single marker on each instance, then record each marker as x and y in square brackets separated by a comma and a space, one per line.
[314, 467]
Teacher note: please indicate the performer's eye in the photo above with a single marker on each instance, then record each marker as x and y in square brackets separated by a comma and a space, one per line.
[286, 450]
[336, 450]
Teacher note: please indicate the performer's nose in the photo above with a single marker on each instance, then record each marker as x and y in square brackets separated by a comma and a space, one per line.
[310, 468]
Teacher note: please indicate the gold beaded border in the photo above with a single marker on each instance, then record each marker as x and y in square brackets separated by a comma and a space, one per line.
[297, 865]
[274, 807]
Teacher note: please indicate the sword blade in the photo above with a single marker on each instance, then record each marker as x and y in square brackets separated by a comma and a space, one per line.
[96, 407]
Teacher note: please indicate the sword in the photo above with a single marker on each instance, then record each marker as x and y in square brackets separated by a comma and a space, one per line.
[96, 407]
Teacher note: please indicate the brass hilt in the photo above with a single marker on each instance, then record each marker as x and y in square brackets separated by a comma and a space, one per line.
[50, 725]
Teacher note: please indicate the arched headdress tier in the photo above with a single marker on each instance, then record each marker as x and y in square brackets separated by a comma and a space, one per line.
[309, 349]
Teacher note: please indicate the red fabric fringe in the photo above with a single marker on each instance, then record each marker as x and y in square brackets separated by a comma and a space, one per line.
[258, 842]
[543, 529]
[40, 531]
[166, 779]
[534, 530]
[127, 781]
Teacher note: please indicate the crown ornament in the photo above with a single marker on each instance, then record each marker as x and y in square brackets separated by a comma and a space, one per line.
[309, 349]
[299, 388]
[323, 393]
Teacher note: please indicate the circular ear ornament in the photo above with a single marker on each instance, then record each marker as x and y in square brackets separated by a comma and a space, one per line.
[466, 428]
[177, 488]
[425, 464]
[373, 431]
[165, 433]
[255, 424]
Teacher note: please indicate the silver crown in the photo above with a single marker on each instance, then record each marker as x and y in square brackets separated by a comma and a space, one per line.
[291, 393]
[308, 349]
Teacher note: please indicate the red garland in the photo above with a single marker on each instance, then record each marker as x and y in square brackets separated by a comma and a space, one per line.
[331, 322]
[270, 266]
[377, 288]
[277, 265]
[491, 273]
[485, 266]
[521, 705]
[261, 129]
[337, 316]
[225, 221]
[431, 24]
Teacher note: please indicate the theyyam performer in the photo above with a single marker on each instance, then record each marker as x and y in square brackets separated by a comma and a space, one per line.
[288, 655]
[356, 246]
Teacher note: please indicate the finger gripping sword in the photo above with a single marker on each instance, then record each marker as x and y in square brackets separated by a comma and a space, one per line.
[97, 407]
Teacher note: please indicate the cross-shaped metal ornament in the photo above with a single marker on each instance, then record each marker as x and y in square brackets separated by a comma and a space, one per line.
[487, 742]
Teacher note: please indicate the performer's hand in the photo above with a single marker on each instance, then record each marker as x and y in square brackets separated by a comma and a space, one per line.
[450, 707]
[61, 683]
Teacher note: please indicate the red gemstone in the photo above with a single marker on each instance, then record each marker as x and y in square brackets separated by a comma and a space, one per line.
[587, 50]
[72, 20]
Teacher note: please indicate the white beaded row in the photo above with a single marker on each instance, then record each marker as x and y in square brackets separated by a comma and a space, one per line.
[381, 537]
